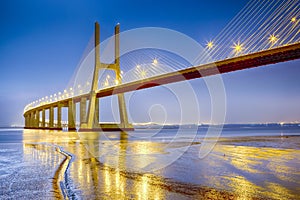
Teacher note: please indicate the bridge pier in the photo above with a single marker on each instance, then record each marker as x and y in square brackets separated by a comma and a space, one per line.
[26, 120]
[82, 111]
[32, 120]
[123, 112]
[59, 126]
[71, 115]
[43, 118]
[37, 119]
[51, 117]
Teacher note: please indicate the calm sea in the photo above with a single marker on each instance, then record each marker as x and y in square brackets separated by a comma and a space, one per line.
[236, 162]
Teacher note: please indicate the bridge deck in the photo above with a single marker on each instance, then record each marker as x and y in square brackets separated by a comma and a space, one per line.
[272, 56]
[266, 57]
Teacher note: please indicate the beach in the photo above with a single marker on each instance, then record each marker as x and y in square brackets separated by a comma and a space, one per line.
[38, 164]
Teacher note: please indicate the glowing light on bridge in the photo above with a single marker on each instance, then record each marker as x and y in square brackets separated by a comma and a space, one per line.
[273, 39]
[238, 47]
[138, 66]
[143, 73]
[155, 61]
[294, 19]
[210, 45]
[117, 82]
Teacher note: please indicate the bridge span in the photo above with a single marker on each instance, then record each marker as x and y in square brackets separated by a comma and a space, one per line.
[257, 59]
[89, 118]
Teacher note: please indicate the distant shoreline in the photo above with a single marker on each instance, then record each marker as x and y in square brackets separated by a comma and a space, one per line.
[223, 126]
[12, 127]
[192, 126]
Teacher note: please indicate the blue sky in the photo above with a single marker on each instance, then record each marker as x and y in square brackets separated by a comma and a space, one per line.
[42, 42]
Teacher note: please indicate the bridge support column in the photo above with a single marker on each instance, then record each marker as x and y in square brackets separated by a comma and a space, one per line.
[43, 118]
[26, 121]
[59, 127]
[51, 117]
[37, 119]
[31, 120]
[97, 112]
[123, 112]
[71, 115]
[82, 111]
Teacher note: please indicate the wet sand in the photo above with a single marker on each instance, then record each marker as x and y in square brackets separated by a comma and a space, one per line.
[238, 168]
[28, 173]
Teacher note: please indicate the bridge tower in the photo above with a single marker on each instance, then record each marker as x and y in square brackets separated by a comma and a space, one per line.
[90, 120]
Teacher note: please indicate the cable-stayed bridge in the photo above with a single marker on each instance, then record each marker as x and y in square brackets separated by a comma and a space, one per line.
[264, 32]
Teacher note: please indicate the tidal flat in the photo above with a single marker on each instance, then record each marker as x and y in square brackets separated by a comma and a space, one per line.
[37, 164]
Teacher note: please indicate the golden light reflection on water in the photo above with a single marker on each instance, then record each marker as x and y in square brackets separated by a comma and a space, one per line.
[261, 162]
[111, 179]
[93, 178]
[50, 159]
[42, 154]
[279, 191]
[244, 188]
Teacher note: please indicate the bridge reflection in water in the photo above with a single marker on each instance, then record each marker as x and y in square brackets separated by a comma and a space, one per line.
[244, 172]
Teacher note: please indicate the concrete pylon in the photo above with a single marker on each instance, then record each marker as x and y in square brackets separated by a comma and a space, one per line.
[71, 115]
[32, 120]
[37, 119]
[51, 117]
[83, 110]
[43, 118]
[27, 121]
[59, 126]
[92, 121]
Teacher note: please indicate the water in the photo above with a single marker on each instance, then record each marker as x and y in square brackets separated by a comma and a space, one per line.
[247, 162]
